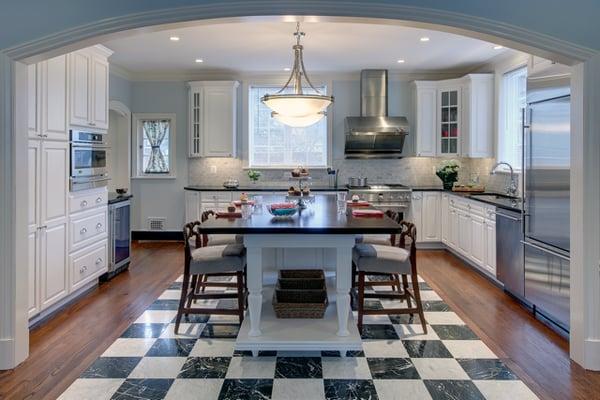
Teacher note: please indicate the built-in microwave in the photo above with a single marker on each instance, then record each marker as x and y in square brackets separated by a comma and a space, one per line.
[88, 160]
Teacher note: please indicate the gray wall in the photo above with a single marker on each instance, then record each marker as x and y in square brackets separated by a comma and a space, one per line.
[120, 89]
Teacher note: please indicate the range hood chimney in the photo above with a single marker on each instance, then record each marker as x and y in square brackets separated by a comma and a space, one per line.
[374, 134]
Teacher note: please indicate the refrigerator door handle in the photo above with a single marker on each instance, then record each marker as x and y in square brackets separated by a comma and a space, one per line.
[554, 253]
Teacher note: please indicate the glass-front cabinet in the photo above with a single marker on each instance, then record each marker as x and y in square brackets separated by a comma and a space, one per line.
[449, 121]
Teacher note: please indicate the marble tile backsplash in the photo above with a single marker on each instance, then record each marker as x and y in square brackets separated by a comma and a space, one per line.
[411, 171]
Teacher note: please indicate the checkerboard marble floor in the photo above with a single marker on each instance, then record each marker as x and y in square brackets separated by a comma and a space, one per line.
[398, 361]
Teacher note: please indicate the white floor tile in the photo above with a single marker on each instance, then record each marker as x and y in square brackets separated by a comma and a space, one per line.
[401, 389]
[443, 318]
[170, 295]
[224, 319]
[213, 348]
[156, 316]
[294, 389]
[376, 319]
[439, 368]
[505, 390]
[125, 347]
[179, 279]
[194, 389]
[92, 389]
[251, 367]
[384, 348]
[345, 368]
[468, 349]
[158, 367]
[415, 332]
[186, 331]
[430, 295]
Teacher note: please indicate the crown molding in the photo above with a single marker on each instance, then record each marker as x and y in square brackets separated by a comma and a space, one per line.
[498, 32]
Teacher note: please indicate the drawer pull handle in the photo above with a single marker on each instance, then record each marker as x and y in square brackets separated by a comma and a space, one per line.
[99, 199]
[84, 203]
[83, 269]
[99, 260]
[83, 231]
[98, 225]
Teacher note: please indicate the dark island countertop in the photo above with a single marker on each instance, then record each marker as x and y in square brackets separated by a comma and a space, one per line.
[257, 188]
[321, 217]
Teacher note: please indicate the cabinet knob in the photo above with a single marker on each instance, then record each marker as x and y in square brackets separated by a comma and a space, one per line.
[99, 260]
[99, 199]
[84, 203]
[82, 269]
[83, 230]
[98, 225]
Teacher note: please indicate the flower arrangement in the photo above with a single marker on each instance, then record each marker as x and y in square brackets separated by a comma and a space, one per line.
[448, 173]
[253, 175]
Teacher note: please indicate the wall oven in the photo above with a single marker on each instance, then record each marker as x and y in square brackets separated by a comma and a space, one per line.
[88, 160]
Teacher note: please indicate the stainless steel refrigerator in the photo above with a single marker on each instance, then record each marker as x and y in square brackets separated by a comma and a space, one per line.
[546, 183]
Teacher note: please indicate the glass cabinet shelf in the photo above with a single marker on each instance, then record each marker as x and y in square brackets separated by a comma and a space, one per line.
[449, 121]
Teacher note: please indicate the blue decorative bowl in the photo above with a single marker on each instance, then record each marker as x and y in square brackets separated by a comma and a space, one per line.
[282, 212]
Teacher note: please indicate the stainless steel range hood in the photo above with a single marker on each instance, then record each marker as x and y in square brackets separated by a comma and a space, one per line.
[374, 134]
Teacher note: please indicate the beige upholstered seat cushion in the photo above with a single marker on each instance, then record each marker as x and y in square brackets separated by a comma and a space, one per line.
[222, 258]
[217, 240]
[383, 240]
[378, 258]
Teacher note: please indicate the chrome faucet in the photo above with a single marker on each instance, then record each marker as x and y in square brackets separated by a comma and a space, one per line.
[511, 187]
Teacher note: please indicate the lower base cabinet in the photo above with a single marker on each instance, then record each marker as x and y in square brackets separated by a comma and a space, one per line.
[54, 275]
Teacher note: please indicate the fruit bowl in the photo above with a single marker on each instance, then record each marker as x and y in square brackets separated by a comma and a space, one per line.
[279, 211]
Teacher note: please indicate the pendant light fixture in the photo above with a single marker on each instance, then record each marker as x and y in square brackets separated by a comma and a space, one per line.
[297, 109]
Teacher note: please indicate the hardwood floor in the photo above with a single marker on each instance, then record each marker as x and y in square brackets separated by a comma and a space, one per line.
[66, 345]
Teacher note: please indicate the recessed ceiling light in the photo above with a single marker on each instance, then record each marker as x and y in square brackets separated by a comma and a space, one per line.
[199, 60]
[400, 61]
[498, 47]
[174, 38]
[424, 39]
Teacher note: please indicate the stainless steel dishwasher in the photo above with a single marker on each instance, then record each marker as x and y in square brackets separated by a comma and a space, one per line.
[510, 263]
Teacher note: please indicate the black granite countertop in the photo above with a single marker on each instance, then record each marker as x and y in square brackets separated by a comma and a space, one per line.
[117, 198]
[494, 199]
[260, 188]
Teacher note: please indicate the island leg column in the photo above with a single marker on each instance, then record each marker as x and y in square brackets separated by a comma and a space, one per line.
[343, 284]
[255, 284]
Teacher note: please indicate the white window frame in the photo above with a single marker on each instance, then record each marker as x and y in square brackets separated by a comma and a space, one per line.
[138, 140]
[502, 116]
[277, 84]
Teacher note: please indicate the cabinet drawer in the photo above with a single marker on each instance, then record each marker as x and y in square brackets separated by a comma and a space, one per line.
[88, 227]
[87, 200]
[215, 197]
[216, 207]
[88, 263]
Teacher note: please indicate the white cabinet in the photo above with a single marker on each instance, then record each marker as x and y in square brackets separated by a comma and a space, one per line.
[213, 119]
[33, 98]
[53, 93]
[425, 212]
[415, 214]
[54, 280]
[464, 233]
[453, 228]
[455, 117]
[88, 82]
[54, 181]
[490, 247]
[445, 213]
[478, 240]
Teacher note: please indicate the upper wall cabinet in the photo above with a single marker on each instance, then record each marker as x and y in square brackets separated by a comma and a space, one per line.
[52, 89]
[88, 81]
[454, 117]
[213, 123]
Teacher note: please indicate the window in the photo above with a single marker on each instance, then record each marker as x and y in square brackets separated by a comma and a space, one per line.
[155, 145]
[512, 101]
[273, 144]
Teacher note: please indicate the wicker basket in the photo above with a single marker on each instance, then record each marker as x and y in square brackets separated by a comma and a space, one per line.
[299, 303]
[301, 279]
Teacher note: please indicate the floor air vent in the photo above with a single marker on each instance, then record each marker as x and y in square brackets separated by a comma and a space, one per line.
[156, 224]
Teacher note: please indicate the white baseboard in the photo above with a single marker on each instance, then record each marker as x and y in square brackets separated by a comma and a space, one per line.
[592, 354]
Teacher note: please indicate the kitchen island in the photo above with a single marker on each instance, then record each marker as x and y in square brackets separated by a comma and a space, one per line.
[319, 226]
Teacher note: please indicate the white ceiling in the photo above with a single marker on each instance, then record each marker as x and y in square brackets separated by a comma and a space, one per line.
[266, 46]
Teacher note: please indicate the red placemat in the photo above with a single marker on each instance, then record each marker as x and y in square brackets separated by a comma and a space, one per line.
[360, 203]
[224, 214]
[238, 203]
[367, 213]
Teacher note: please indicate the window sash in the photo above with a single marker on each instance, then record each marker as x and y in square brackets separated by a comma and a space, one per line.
[513, 100]
[141, 147]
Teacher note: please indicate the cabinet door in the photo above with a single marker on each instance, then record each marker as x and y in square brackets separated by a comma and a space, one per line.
[33, 272]
[463, 238]
[99, 93]
[192, 206]
[33, 182]
[453, 228]
[490, 247]
[219, 122]
[54, 276]
[54, 98]
[195, 127]
[416, 213]
[54, 181]
[80, 69]
[430, 226]
[445, 218]
[448, 129]
[33, 98]
[478, 240]
[426, 121]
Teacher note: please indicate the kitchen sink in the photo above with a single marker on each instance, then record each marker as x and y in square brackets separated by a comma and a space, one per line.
[498, 199]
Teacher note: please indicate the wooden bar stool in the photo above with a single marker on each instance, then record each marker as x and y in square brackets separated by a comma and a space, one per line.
[205, 260]
[373, 259]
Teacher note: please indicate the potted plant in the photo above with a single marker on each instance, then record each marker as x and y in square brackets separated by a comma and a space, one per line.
[448, 173]
[253, 175]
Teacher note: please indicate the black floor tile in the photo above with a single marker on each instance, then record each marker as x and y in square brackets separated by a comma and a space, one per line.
[171, 348]
[487, 369]
[175, 286]
[299, 368]
[246, 389]
[405, 319]
[379, 331]
[426, 349]
[453, 390]
[144, 331]
[164, 305]
[349, 353]
[220, 331]
[350, 389]
[392, 368]
[248, 353]
[193, 318]
[111, 367]
[205, 368]
[454, 332]
[147, 389]
[435, 305]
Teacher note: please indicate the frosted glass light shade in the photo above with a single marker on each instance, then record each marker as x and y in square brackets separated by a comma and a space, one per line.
[298, 122]
[297, 105]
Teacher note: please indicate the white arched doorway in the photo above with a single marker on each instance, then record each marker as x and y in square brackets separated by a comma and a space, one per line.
[585, 175]
[119, 143]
